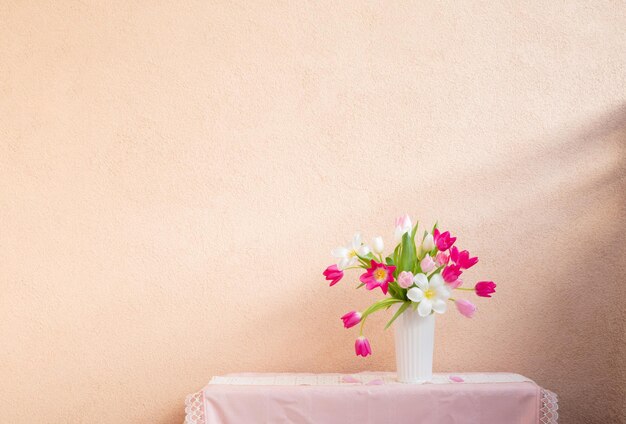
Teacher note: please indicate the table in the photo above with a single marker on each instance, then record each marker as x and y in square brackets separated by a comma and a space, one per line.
[371, 398]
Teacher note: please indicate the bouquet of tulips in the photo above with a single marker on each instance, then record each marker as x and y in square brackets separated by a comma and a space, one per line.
[420, 274]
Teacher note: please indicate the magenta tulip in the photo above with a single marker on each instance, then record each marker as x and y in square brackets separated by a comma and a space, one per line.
[362, 347]
[465, 308]
[333, 274]
[462, 258]
[451, 273]
[443, 241]
[351, 319]
[378, 275]
[485, 288]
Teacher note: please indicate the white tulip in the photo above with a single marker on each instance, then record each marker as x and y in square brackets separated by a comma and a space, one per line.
[378, 245]
[429, 243]
[403, 226]
[431, 295]
[348, 255]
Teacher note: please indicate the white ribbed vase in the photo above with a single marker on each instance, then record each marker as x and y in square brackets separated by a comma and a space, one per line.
[415, 340]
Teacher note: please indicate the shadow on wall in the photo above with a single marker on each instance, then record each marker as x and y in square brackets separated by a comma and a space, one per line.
[571, 270]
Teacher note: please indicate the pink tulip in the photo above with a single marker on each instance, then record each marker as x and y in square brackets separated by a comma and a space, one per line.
[442, 259]
[462, 258]
[456, 283]
[333, 274]
[403, 225]
[405, 279]
[443, 241]
[427, 264]
[485, 288]
[451, 273]
[351, 319]
[465, 308]
[362, 347]
[378, 275]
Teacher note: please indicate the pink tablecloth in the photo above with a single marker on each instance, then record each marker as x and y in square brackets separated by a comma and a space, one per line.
[371, 398]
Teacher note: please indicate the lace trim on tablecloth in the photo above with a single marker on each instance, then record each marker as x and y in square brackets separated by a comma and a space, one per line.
[194, 409]
[548, 413]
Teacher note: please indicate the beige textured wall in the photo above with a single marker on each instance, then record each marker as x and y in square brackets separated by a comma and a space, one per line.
[174, 174]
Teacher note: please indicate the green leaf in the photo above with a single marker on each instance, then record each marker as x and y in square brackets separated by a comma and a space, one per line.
[396, 291]
[366, 262]
[360, 285]
[417, 268]
[414, 230]
[399, 312]
[407, 256]
[434, 227]
[379, 305]
[389, 260]
[396, 253]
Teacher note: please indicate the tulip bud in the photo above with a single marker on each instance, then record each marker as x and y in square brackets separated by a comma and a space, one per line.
[465, 307]
[427, 264]
[429, 243]
[485, 288]
[405, 279]
[362, 347]
[351, 319]
[403, 225]
[378, 245]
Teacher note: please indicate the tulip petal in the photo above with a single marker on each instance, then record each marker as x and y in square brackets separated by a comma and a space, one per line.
[436, 281]
[340, 252]
[443, 293]
[421, 281]
[424, 308]
[415, 294]
[440, 306]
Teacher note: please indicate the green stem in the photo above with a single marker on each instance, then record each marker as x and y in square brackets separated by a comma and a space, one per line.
[464, 289]
[385, 303]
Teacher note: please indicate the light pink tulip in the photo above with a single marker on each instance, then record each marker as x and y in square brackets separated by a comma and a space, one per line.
[405, 279]
[362, 347]
[465, 307]
[442, 259]
[427, 264]
[403, 225]
[456, 283]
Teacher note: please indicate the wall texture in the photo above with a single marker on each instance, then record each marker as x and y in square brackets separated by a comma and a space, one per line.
[173, 176]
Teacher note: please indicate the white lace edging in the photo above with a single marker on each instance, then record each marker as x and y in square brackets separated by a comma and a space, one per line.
[548, 413]
[194, 409]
